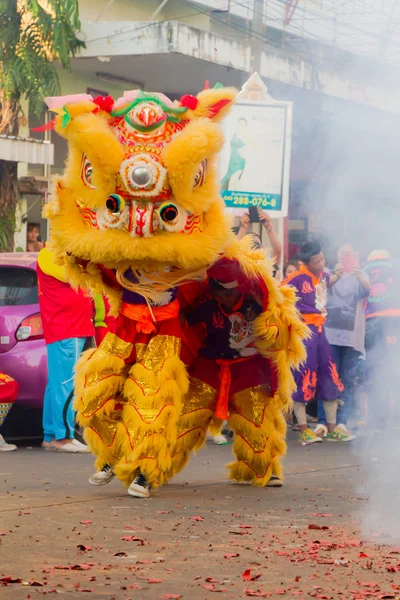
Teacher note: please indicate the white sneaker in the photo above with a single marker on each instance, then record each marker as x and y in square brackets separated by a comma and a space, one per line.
[321, 430]
[220, 440]
[73, 447]
[102, 477]
[4, 447]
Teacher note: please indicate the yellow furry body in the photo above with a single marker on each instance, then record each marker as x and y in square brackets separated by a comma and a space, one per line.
[259, 432]
[136, 214]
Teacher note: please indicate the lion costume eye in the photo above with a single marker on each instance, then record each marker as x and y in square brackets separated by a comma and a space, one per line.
[172, 216]
[87, 172]
[115, 204]
[115, 213]
[200, 177]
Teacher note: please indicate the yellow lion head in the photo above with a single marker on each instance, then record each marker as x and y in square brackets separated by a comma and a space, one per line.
[140, 186]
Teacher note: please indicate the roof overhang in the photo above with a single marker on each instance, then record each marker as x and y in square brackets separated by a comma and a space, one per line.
[122, 48]
[15, 149]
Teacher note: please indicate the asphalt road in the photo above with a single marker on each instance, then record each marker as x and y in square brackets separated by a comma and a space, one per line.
[199, 536]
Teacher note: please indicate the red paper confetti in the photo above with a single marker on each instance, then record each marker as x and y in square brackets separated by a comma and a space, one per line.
[257, 593]
[133, 538]
[84, 548]
[247, 576]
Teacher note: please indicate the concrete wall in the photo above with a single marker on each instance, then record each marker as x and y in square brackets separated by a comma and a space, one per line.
[141, 10]
[119, 10]
[343, 81]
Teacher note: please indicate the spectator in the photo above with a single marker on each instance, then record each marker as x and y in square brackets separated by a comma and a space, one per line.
[34, 244]
[8, 395]
[290, 267]
[318, 375]
[382, 338]
[345, 331]
[68, 330]
[276, 246]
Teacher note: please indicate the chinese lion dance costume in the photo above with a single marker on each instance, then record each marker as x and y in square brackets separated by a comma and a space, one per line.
[138, 217]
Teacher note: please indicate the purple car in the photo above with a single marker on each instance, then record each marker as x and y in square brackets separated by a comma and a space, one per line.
[22, 347]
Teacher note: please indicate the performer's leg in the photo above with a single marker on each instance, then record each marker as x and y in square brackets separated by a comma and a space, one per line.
[306, 385]
[100, 378]
[153, 394]
[260, 430]
[47, 416]
[65, 355]
[350, 360]
[196, 417]
[329, 389]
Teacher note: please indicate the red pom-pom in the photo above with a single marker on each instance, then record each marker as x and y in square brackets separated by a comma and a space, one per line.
[190, 102]
[105, 103]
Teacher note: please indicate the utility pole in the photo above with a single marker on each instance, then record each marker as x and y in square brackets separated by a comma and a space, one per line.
[256, 36]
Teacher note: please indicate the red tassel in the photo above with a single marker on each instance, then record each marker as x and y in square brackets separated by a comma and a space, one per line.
[207, 85]
[46, 127]
[215, 108]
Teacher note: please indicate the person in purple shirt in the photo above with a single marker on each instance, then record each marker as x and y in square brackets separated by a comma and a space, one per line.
[318, 376]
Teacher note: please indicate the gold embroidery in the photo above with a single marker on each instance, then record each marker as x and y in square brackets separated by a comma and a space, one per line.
[257, 445]
[153, 355]
[105, 373]
[138, 437]
[148, 388]
[148, 408]
[148, 414]
[200, 395]
[251, 403]
[95, 405]
[106, 427]
[113, 345]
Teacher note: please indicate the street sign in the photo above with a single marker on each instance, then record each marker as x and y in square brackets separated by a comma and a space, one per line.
[255, 161]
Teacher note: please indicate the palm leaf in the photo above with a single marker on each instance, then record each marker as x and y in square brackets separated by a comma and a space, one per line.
[28, 54]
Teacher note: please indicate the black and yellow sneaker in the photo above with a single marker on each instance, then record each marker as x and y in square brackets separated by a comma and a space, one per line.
[139, 487]
[275, 482]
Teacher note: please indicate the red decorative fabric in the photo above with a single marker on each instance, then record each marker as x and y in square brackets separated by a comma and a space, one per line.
[8, 389]
[231, 376]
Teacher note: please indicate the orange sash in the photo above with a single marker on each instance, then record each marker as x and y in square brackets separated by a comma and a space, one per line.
[147, 318]
[314, 319]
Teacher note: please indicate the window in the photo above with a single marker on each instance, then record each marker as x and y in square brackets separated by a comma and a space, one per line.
[18, 286]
